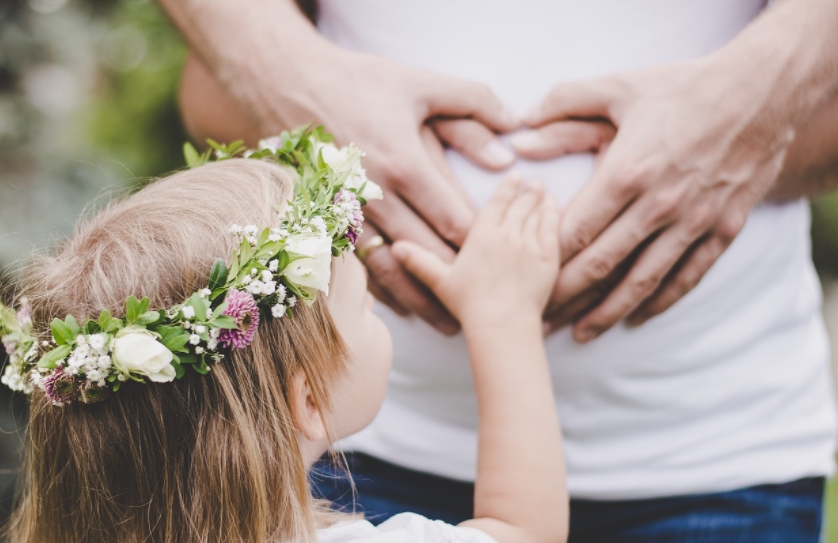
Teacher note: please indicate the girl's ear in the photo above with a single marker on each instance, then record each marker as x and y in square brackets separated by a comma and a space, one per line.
[307, 416]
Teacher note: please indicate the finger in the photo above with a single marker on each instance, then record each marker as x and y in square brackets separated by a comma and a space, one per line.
[475, 141]
[386, 298]
[572, 310]
[640, 283]
[421, 263]
[686, 277]
[391, 276]
[444, 207]
[598, 203]
[502, 198]
[523, 205]
[436, 152]
[372, 285]
[562, 138]
[559, 315]
[396, 221]
[548, 225]
[596, 262]
[593, 98]
[452, 97]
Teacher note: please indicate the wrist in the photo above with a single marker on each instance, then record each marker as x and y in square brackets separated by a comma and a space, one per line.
[500, 319]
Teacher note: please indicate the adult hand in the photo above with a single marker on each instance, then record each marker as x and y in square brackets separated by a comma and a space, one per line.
[395, 113]
[695, 150]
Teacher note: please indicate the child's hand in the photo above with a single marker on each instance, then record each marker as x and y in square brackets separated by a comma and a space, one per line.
[508, 263]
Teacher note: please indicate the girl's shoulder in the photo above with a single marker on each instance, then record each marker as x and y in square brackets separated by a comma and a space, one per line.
[403, 528]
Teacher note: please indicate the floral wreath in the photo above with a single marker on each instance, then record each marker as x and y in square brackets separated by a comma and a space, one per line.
[269, 272]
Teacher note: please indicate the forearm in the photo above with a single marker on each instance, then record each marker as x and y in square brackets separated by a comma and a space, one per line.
[788, 61]
[239, 46]
[520, 466]
[811, 164]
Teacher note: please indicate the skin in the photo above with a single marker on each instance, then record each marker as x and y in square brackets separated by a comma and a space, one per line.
[520, 494]
[380, 105]
[675, 178]
[698, 145]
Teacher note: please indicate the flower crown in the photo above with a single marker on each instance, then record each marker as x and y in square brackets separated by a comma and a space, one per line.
[269, 272]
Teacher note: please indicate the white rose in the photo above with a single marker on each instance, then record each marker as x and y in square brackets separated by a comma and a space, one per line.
[140, 353]
[372, 191]
[348, 159]
[314, 269]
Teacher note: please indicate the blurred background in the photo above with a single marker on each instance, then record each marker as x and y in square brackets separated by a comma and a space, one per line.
[88, 104]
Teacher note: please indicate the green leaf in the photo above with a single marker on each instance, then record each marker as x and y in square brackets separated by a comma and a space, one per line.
[225, 322]
[149, 317]
[70, 321]
[176, 343]
[219, 310]
[202, 367]
[188, 358]
[133, 309]
[191, 155]
[218, 274]
[50, 359]
[61, 332]
[104, 319]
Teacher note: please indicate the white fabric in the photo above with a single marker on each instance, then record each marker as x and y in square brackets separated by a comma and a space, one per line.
[729, 388]
[404, 528]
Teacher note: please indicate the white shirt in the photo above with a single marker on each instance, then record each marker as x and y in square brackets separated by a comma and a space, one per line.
[403, 528]
[727, 389]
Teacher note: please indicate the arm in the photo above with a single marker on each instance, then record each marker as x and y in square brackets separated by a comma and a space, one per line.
[699, 143]
[497, 287]
[811, 166]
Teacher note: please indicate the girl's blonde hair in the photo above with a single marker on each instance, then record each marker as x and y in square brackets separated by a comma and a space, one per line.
[202, 459]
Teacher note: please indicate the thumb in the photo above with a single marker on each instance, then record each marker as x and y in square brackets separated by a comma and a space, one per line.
[420, 262]
[577, 99]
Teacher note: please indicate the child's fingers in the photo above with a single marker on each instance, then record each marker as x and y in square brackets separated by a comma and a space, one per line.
[524, 205]
[549, 221]
[420, 262]
[503, 196]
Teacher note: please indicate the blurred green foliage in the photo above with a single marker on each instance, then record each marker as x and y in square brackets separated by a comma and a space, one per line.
[825, 235]
[135, 117]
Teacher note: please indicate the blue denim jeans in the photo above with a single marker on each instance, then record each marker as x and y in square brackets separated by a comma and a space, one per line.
[784, 513]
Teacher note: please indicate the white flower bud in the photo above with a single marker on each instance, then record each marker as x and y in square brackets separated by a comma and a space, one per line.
[139, 352]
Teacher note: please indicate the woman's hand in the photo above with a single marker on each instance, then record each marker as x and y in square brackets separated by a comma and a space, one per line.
[508, 263]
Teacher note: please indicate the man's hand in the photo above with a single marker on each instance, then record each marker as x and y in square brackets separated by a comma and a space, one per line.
[291, 76]
[698, 144]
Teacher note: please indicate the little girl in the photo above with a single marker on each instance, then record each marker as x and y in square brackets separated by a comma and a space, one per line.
[181, 397]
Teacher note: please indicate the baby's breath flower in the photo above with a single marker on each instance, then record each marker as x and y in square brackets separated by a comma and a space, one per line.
[204, 292]
[194, 339]
[188, 312]
[235, 229]
[199, 350]
[200, 329]
[278, 311]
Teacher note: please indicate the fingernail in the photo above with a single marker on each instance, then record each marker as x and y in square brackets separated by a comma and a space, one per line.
[448, 329]
[584, 336]
[527, 140]
[497, 155]
[545, 328]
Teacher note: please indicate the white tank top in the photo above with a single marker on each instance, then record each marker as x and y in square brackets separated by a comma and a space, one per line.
[727, 389]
